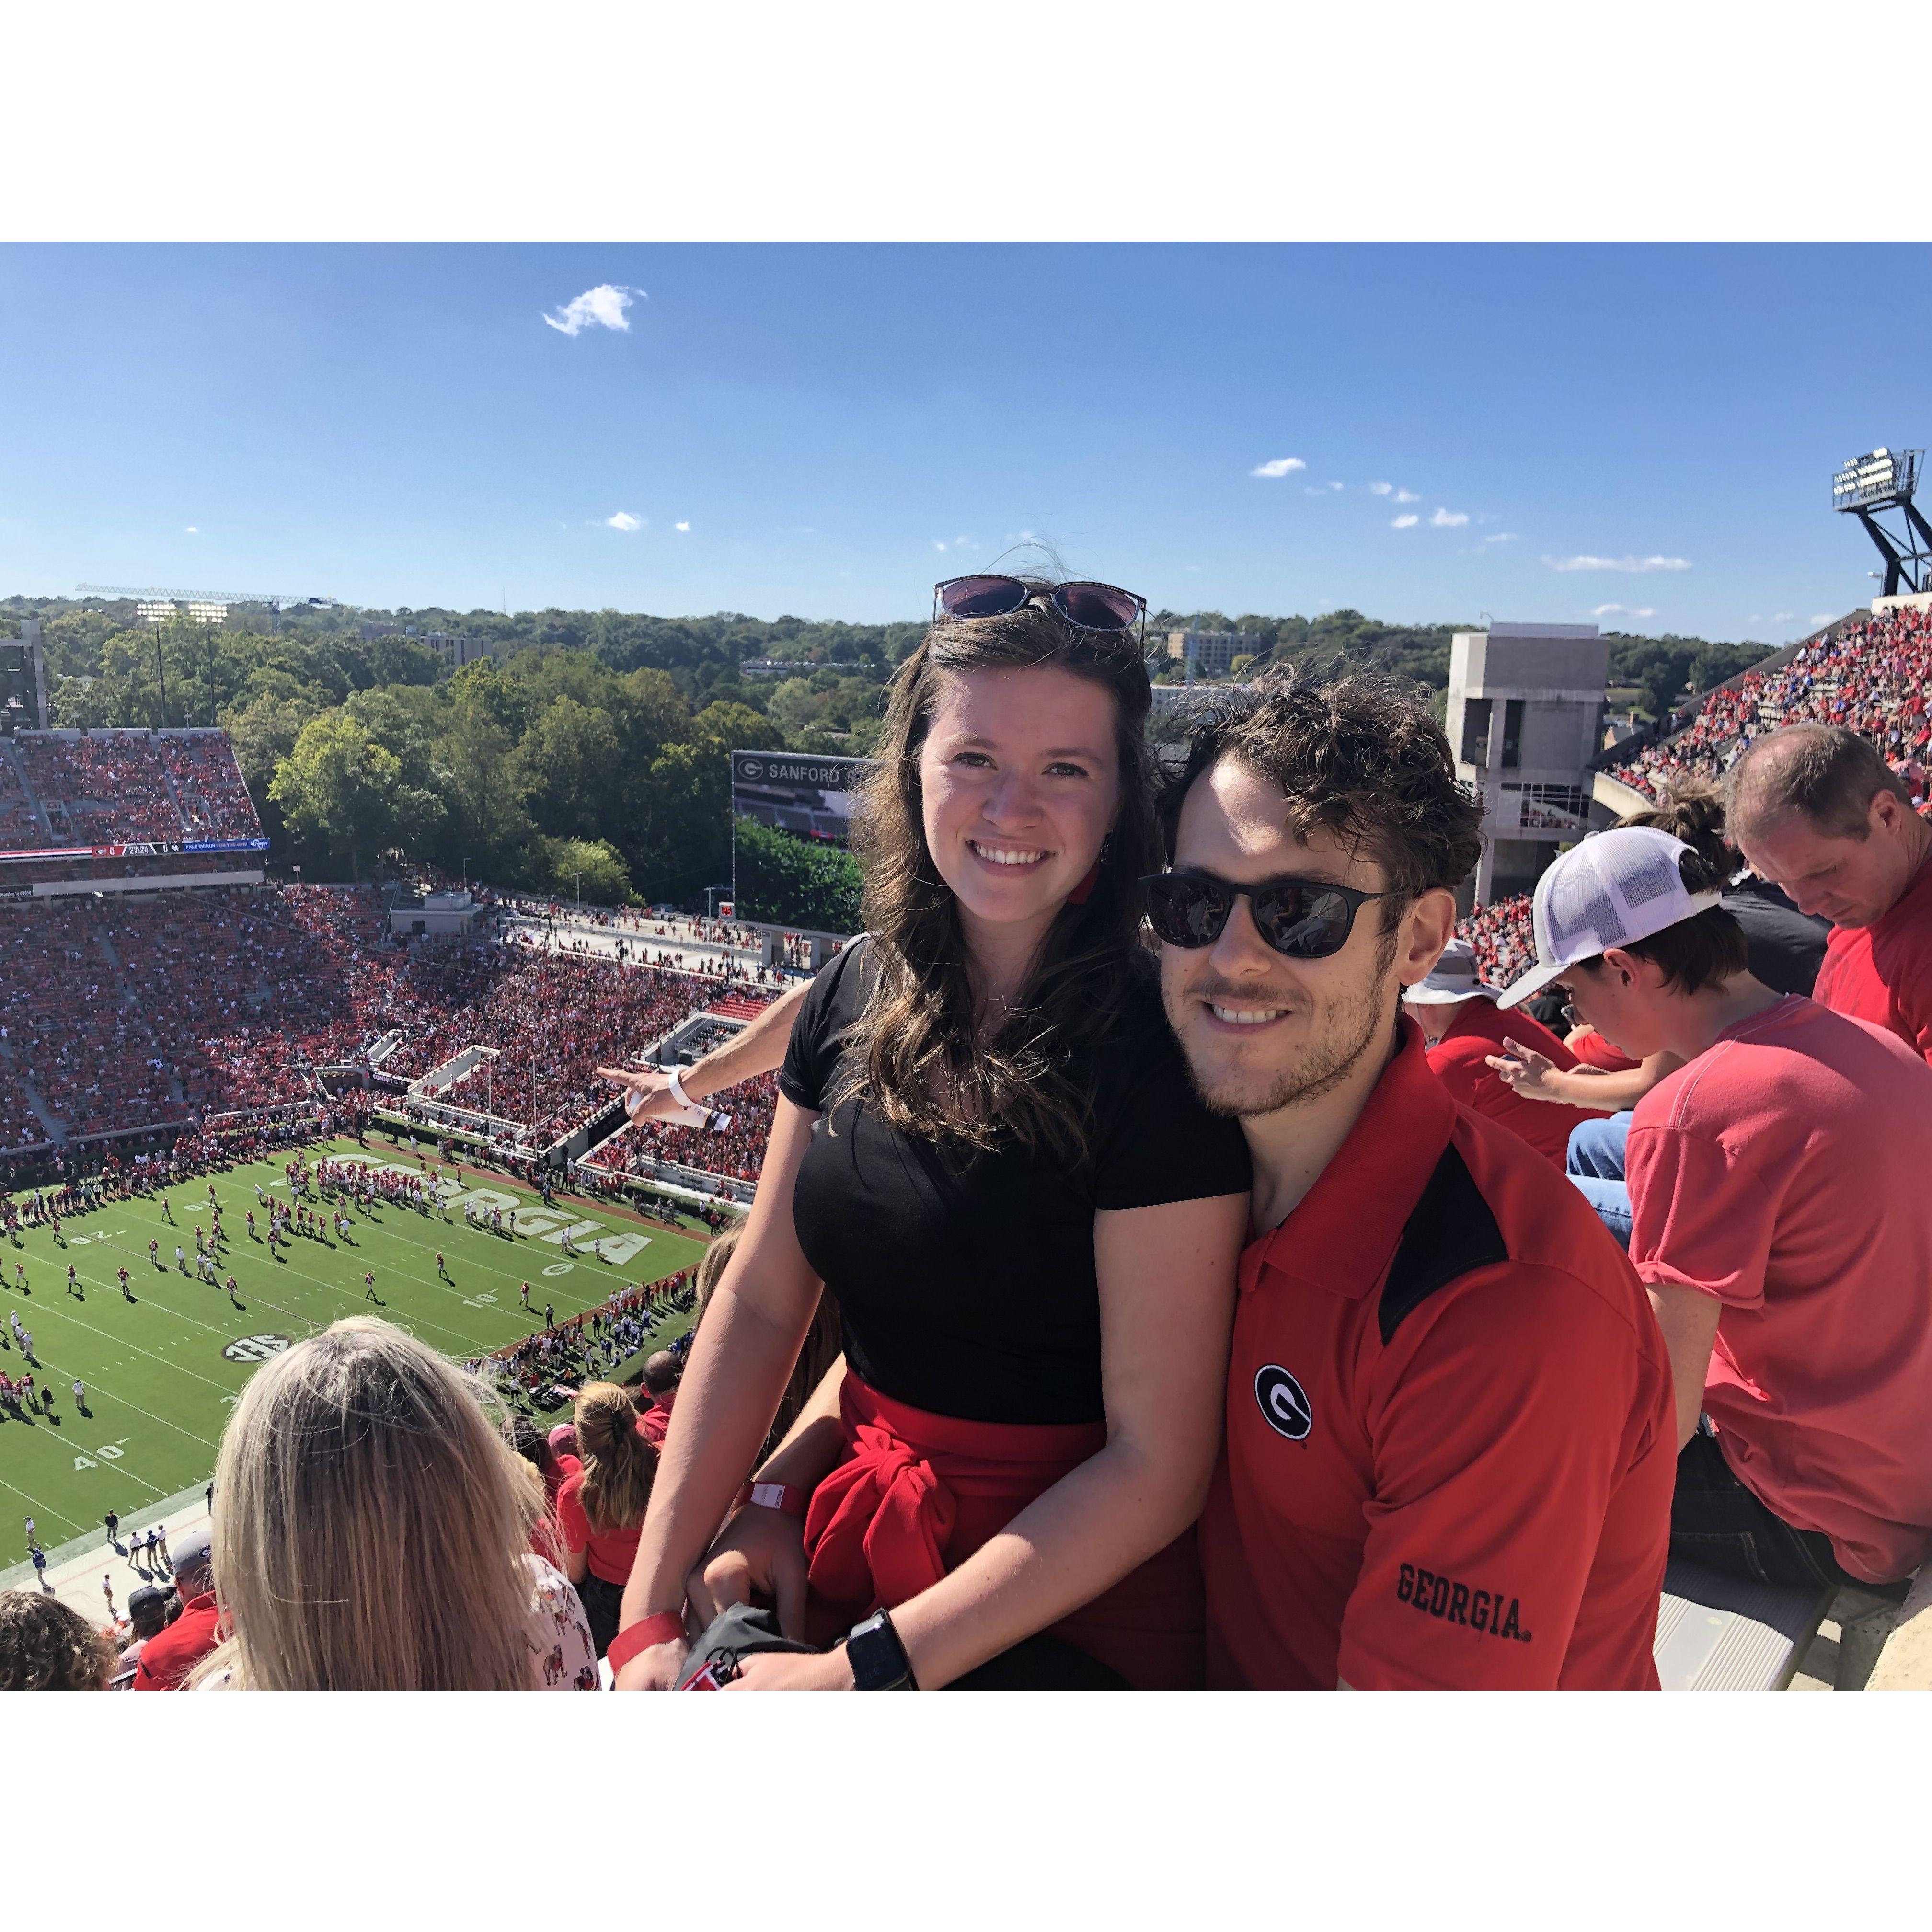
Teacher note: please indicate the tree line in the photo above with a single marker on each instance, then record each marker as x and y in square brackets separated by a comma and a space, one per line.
[593, 751]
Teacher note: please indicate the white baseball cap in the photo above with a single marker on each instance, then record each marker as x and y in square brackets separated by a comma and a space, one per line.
[1615, 887]
[1455, 977]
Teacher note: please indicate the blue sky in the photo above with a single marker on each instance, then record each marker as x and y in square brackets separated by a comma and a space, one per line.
[400, 425]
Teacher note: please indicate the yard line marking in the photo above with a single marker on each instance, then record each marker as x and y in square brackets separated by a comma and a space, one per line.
[38, 1506]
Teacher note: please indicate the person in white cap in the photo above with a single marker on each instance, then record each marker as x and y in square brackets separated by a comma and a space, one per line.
[1457, 1012]
[1777, 1210]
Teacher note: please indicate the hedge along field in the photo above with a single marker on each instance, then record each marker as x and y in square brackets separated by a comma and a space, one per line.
[162, 1371]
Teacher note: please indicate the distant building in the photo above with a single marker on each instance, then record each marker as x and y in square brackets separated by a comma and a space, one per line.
[1525, 717]
[1168, 697]
[1213, 651]
[434, 913]
[23, 680]
[772, 667]
[455, 651]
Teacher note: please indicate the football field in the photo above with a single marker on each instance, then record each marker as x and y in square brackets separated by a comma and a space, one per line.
[163, 1370]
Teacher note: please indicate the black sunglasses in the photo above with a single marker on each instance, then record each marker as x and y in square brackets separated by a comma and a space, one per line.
[1301, 918]
[1086, 607]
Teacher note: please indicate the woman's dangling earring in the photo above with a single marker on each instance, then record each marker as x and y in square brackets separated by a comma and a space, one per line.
[1083, 892]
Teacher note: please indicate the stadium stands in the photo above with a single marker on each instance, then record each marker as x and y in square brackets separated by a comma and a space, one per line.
[117, 788]
[1871, 675]
[1874, 675]
[127, 1014]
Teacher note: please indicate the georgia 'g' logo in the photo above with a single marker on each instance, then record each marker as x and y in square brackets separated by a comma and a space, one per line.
[1284, 1402]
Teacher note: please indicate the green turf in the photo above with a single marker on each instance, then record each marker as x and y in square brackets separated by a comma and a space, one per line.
[159, 1383]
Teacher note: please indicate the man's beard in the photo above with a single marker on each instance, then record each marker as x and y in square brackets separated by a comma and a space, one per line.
[1349, 1032]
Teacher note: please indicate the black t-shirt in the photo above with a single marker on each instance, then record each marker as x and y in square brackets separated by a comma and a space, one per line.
[1786, 946]
[966, 1282]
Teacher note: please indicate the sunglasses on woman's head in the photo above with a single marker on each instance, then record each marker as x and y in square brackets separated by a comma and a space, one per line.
[1301, 918]
[1086, 607]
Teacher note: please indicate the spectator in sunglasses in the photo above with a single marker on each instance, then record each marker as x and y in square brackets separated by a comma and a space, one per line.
[986, 1147]
[1449, 1442]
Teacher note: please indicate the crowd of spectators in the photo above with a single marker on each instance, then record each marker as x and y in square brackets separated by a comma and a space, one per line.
[1870, 675]
[215, 802]
[1873, 675]
[105, 788]
[127, 1014]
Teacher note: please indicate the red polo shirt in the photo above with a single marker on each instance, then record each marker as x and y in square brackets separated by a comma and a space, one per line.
[168, 1656]
[1451, 1442]
[1460, 1060]
[1883, 973]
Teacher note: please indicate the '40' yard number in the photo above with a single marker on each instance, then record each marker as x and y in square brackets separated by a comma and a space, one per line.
[108, 1452]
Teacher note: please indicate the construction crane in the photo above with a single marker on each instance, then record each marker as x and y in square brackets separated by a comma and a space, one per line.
[275, 600]
[207, 606]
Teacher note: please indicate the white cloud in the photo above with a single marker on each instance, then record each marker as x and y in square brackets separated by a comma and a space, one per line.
[624, 520]
[1403, 524]
[1335, 486]
[1280, 467]
[1502, 536]
[1407, 496]
[601, 307]
[1450, 519]
[1380, 489]
[1818, 617]
[1622, 610]
[1639, 564]
[193, 530]
[1780, 616]
[938, 546]
[685, 528]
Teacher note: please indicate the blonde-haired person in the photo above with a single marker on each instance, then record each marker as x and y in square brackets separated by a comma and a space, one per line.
[600, 1508]
[986, 1146]
[373, 1532]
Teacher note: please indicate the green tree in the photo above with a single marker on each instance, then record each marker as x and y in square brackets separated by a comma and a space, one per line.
[791, 881]
[342, 792]
[487, 816]
[604, 880]
[572, 769]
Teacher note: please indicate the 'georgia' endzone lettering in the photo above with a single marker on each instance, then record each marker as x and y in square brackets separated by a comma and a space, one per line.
[1482, 1610]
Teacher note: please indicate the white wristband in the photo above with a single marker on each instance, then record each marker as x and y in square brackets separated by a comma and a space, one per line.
[677, 1092]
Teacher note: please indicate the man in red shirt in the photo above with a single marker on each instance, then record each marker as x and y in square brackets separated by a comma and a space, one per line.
[166, 1659]
[1448, 1454]
[1817, 811]
[662, 1372]
[1779, 1213]
[1458, 1016]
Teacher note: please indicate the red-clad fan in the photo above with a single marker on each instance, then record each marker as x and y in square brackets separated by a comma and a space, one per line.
[601, 1505]
[1448, 1451]
[1816, 810]
[1456, 1011]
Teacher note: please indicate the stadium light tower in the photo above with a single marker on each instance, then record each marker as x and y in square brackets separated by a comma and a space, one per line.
[274, 600]
[1886, 480]
[157, 614]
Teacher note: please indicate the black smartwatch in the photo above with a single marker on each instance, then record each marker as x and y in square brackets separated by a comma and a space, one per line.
[877, 1658]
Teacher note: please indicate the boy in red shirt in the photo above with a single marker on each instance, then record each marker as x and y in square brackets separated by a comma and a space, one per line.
[1778, 1212]
[1448, 1455]
[1457, 1014]
[1816, 810]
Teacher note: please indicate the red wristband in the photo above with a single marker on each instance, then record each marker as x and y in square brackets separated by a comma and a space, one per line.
[645, 1634]
[775, 1496]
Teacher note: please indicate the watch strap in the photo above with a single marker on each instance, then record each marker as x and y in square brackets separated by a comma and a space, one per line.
[877, 1658]
[677, 1092]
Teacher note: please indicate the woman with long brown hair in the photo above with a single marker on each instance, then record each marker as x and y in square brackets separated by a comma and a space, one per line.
[986, 1146]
